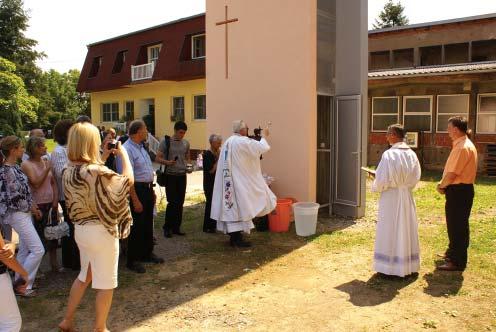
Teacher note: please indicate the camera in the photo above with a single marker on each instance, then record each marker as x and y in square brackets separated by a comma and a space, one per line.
[111, 145]
[257, 134]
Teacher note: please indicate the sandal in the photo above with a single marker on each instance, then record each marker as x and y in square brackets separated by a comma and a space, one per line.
[27, 293]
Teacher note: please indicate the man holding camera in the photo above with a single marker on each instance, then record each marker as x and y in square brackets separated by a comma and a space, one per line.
[140, 241]
[240, 191]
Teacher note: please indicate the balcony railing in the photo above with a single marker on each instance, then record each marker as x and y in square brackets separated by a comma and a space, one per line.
[142, 72]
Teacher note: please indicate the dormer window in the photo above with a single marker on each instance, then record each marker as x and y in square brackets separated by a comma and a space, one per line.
[95, 66]
[198, 46]
[153, 53]
[120, 59]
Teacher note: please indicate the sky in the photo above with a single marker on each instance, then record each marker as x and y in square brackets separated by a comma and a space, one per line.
[63, 28]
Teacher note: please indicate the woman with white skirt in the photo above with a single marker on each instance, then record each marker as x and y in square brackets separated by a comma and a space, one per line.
[97, 204]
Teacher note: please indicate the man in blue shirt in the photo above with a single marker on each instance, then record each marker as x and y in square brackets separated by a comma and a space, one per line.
[140, 241]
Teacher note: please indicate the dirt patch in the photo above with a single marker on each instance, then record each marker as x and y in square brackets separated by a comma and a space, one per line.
[283, 283]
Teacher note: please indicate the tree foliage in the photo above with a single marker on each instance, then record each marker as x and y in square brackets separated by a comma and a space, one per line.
[16, 105]
[55, 92]
[391, 16]
[59, 98]
[15, 46]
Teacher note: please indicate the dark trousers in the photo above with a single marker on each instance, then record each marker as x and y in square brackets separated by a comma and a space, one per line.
[208, 223]
[175, 191]
[140, 240]
[459, 199]
[70, 250]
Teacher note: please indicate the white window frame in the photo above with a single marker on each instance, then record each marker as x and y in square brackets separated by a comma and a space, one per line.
[173, 113]
[193, 46]
[405, 98]
[125, 108]
[149, 52]
[452, 114]
[485, 113]
[194, 107]
[111, 117]
[379, 114]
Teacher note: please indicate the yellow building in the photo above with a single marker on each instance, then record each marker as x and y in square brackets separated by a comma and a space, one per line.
[156, 74]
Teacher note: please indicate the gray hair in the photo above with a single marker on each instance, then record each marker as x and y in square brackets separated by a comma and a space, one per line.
[238, 125]
[214, 138]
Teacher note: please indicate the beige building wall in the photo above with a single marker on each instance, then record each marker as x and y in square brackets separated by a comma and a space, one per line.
[272, 77]
[161, 93]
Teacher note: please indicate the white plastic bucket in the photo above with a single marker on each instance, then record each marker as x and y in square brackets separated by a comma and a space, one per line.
[305, 214]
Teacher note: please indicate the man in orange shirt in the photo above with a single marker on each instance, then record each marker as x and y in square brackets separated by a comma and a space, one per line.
[457, 185]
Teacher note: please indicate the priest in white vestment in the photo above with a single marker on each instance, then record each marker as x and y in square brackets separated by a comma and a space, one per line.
[240, 191]
[396, 244]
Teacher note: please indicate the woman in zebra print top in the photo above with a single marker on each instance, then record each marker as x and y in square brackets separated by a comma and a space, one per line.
[97, 202]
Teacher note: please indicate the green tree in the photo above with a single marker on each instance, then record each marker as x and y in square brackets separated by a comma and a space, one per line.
[16, 105]
[391, 16]
[15, 46]
[59, 98]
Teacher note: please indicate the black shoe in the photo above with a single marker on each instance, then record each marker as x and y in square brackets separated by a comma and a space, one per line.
[243, 244]
[136, 267]
[154, 259]
[167, 233]
[237, 240]
[212, 231]
[179, 233]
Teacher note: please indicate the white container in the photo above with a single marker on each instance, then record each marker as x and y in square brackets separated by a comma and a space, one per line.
[305, 214]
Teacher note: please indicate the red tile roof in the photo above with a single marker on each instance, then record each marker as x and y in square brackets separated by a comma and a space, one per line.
[174, 62]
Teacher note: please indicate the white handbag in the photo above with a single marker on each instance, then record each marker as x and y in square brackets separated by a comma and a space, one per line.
[56, 229]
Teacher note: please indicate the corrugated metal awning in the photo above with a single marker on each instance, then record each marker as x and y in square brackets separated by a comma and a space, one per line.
[471, 68]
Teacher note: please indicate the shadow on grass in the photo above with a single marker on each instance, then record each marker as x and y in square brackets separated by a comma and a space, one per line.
[377, 290]
[443, 283]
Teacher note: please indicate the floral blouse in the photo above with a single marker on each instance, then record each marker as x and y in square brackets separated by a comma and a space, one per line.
[15, 195]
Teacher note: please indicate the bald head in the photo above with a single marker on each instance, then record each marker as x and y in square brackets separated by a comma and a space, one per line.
[37, 133]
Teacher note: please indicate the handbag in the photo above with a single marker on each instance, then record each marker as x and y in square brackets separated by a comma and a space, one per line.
[162, 170]
[55, 229]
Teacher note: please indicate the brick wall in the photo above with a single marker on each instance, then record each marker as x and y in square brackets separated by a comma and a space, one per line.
[434, 150]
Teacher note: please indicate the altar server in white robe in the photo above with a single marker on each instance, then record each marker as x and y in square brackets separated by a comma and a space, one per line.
[240, 191]
[396, 244]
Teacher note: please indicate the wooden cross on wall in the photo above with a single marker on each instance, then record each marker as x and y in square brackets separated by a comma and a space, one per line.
[226, 23]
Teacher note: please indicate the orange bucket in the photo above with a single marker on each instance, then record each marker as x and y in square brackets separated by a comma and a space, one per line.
[280, 217]
[291, 214]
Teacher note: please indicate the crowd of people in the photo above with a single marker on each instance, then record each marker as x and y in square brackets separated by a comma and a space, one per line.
[104, 185]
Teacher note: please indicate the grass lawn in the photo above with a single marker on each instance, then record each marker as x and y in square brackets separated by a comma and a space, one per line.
[288, 283]
[50, 144]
